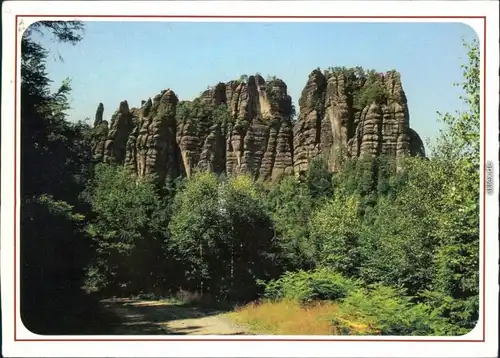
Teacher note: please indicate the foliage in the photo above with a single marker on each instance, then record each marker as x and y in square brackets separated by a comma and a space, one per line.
[202, 117]
[227, 248]
[308, 286]
[197, 229]
[398, 248]
[386, 311]
[460, 137]
[290, 205]
[242, 124]
[363, 86]
[128, 229]
[54, 169]
[452, 316]
[455, 287]
[58, 255]
[335, 235]
[243, 79]
[319, 179]
[372, 92]
[222, 116]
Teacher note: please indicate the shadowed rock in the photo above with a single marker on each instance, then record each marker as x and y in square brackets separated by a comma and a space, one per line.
[98, 114]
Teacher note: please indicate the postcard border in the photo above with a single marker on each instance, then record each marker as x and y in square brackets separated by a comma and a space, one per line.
[484, 184]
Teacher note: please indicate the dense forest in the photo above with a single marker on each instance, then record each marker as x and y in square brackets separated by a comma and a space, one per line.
[396, 245]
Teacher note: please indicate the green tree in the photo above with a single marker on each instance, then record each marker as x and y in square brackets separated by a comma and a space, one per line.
[460, 137]
[255, 255]
[456, 283]
[54, 169]
[197, 229]
[425, 235]
[223, 232]
[319, 179]
[222, 116]
[129, 229]
[335, 233]
[399, 246]
[291, 205]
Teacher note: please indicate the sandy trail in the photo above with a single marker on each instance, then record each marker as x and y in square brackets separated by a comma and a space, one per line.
[141, 317]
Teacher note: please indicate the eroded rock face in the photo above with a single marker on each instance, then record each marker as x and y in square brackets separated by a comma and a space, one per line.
[307, 130]
[98, 115]
[99, 135]
[119, 130]
[347, 111]
[151, 147]
[246, 126]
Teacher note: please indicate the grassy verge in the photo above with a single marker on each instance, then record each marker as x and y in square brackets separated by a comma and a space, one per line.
[288, 317]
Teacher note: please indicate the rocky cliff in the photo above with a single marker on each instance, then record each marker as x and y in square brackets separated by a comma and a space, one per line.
[354, 112]
[248, 126]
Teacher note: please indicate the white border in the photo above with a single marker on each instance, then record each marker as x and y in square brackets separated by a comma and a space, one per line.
[238, 348]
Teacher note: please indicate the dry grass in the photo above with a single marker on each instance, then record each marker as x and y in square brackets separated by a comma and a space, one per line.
[290, 318]
[286, 318]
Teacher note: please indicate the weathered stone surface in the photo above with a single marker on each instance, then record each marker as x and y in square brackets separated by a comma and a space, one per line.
[120, 128]
[246, 126]
[417, 147]
[99, 135]
[109, 141]
[255, 138]
[98, 115]
[307, 130]
[152, 147]
[347, 111]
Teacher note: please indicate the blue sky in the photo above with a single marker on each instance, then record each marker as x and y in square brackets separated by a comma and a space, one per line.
[135, 60]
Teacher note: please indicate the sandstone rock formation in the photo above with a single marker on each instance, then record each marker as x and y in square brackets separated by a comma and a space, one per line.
[350, 111]
[247, 126]
[254, 136]
[99, 135]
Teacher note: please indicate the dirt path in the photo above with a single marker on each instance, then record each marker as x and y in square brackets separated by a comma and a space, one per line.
[160, 317]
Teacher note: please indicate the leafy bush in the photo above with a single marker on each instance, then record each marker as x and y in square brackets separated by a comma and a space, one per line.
[372, 92]
[305, 287]
[222, 116]
[241, 124]
[456, 316]
[387, 311]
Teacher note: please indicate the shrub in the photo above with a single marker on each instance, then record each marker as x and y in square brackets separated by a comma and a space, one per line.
[387, 311]
[308, 286]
